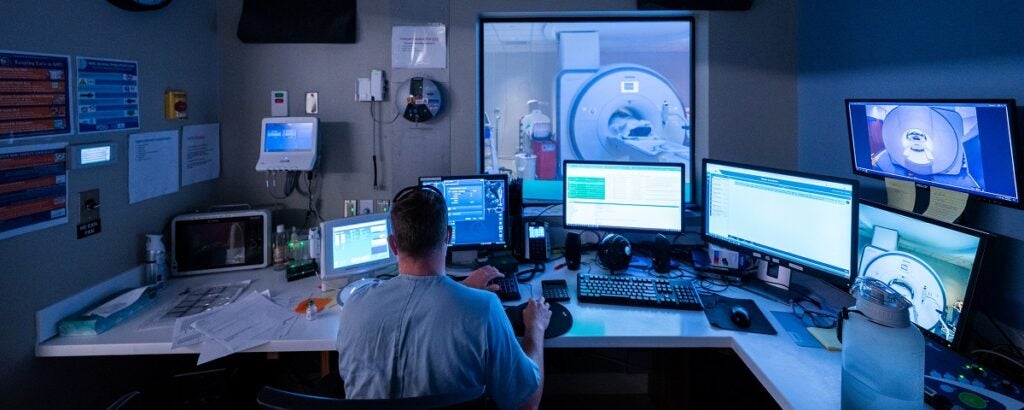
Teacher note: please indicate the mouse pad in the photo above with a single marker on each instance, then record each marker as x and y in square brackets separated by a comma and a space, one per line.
[719, 310]
[561, 320]
[792, 325]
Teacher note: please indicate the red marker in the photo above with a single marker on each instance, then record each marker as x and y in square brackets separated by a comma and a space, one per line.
[559, 266]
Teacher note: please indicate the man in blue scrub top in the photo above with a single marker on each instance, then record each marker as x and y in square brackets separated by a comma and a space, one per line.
[422, 333]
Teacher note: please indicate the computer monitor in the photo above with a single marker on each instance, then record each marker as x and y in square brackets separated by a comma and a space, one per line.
[477, 209]
[623, 196]
[288, 144]
[355, 245]
[960, 145]
[797, 221]
[933, 264]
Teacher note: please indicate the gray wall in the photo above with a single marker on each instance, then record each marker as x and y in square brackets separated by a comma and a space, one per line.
[746, 95]
[935, 49]
[175, 49]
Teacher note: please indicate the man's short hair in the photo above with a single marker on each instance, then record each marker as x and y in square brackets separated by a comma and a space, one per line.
[419, 222]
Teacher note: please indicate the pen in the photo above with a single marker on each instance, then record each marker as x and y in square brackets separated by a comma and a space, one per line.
[559, 266]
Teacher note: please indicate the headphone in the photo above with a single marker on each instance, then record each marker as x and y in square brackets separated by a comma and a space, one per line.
[404, 192]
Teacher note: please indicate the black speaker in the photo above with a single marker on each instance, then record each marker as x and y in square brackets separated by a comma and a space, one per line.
[614, 252]
[662, 254]
[573, 250]
[515, 218]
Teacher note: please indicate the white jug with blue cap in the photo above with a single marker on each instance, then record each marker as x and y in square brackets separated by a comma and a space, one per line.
[883, 352]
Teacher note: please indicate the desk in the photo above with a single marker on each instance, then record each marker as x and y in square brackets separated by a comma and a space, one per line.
[796, 377]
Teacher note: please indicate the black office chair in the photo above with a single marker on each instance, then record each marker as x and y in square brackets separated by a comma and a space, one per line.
[273, 398]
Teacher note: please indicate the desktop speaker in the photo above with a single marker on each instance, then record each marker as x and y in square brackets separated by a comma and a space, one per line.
[614, 252]
[573, 250]
[661, 257]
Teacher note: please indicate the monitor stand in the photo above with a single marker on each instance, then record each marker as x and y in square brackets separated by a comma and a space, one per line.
[463, 258]
[773, 282]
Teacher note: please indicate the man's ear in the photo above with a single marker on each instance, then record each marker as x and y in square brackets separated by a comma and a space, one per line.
[393, 244]
[448, 235]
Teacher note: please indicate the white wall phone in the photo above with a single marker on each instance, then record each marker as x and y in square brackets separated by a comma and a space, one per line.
[288, 144]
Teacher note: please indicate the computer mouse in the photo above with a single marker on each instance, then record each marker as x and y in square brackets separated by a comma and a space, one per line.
[739, 316]
[354, 287]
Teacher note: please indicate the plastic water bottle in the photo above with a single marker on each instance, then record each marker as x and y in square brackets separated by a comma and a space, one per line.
[156, 260]
[280, 248]
[883, 353]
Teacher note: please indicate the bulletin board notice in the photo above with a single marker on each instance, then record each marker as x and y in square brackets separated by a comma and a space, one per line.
[34, 95]
[108, 95]
[33, 188]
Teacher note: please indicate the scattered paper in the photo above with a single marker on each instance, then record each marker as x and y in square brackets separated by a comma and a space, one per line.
[152, 165]
[901, 194]
[116, 304]
[250, 321]
[185, 334]
[946, 205]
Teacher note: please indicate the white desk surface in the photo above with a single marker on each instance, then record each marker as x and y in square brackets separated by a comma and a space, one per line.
[797, 377]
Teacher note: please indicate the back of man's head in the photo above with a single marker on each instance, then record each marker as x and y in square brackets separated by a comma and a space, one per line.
[419, 222]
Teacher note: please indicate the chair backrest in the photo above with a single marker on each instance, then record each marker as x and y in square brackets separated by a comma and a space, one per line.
[277, 399]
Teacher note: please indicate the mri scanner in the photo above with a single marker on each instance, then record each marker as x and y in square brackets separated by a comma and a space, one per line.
[926, 141]
[616, 112]
[911, 277]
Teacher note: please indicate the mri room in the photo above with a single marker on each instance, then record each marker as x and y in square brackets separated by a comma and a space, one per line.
[586, 90]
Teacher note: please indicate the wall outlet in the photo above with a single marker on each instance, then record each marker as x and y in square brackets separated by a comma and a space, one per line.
[351, 208]
[365, 206]
[381, 206]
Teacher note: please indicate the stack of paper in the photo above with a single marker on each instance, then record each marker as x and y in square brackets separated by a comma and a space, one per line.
[248, 322]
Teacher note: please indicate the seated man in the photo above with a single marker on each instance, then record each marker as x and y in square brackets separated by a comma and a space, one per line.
[422, 333]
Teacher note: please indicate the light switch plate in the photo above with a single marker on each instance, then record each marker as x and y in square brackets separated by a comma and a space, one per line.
[312, 102]
[278, 103]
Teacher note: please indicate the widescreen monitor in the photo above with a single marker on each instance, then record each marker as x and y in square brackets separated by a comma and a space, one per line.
[355, 245]
[960, 145]
[798, 221]
[933, 264]
[624, 196]
[477, 209]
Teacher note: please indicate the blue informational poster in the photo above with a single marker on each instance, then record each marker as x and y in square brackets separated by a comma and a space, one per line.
[33, 188]
[108, 95]
[34, 100]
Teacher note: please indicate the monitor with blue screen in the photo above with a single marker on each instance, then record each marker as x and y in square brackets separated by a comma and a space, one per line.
[355, 245]
[960, 145]
[794, 220]
[477, 209]
[288, 144]
[933, 264]
[624, 196]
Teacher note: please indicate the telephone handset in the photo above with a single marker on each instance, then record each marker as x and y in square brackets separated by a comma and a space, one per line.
[538, 245]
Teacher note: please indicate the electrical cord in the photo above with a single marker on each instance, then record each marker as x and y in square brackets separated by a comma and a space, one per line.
[535, 217]
[1000, 355]
[528, 274]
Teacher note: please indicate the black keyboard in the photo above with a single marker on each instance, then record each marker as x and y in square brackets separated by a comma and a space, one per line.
[509, 287]
[638, 291]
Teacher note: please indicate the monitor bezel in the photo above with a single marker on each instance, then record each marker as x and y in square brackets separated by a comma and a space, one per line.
[965, 313]
[1016, 156]
[682, 208]
[505, 213]
[327, 256]
[782, 260]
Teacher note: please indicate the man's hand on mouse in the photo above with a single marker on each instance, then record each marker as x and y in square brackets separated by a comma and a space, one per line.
[536, 316]
[480, 278]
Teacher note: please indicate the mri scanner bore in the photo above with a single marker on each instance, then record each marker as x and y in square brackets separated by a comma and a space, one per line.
[932, 265]
[965, 146]
[607, 90]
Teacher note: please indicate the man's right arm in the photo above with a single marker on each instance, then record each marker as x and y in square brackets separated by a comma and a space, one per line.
[536, 317]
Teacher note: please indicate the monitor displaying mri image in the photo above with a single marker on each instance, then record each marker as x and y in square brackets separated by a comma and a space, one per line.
[964, 146]
[933, 264]
[613, 89]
